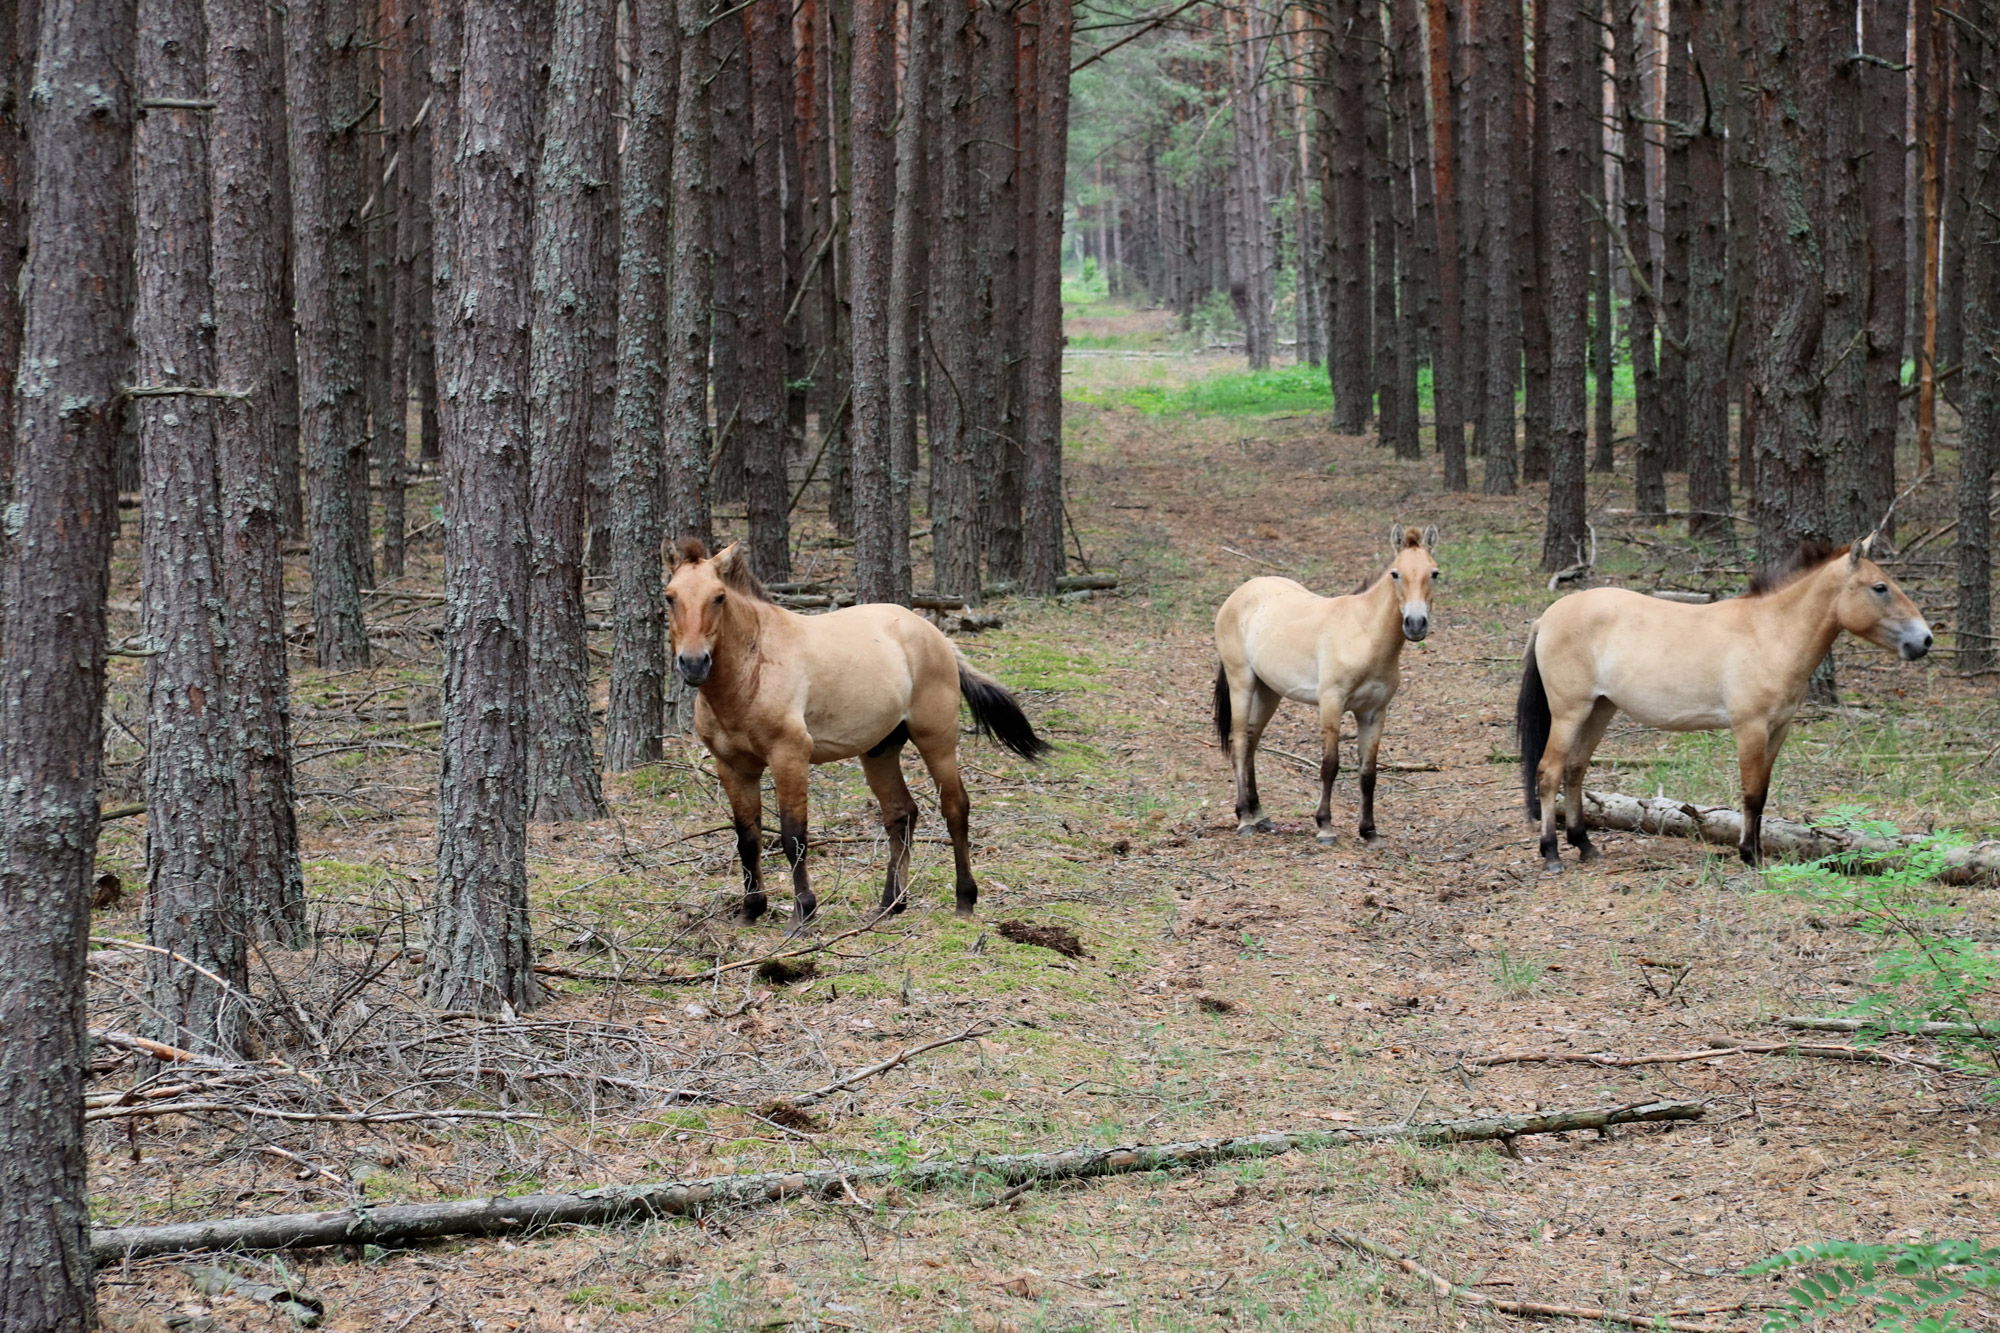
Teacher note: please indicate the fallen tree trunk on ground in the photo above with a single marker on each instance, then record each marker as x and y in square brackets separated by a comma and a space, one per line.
[404, 1223]
[1793, 841]
[1901, 1029]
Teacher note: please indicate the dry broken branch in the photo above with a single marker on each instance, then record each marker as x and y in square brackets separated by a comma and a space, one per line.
[1720, 1049]
[404, 1223]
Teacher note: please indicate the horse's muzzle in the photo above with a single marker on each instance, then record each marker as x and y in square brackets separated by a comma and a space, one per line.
[694, 667]
[1914, 644]
[1416, 626]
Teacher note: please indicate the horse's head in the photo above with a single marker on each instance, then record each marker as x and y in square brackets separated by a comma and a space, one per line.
[699, 598]
[1411, 574]
[1872, 607]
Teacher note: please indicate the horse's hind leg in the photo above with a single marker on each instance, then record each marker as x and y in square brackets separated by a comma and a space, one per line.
[1756, 753]
[1254, 703]
[899, 818]
[1565, 727]
[746, 808]
[941, 758]
[1574, 768]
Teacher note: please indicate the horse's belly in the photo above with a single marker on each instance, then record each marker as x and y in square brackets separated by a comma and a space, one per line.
[1677, 713]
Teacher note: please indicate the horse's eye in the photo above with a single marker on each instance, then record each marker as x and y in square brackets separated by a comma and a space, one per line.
[1396, 575]
[718, 599]
[1882, 588]
[1437, 576]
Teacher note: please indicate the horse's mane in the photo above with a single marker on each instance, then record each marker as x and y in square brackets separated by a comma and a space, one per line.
[1809, 555]
[738, 575]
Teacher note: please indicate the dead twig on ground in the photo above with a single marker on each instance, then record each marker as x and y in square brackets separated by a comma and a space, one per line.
[884, 1066]
[1721, 1049]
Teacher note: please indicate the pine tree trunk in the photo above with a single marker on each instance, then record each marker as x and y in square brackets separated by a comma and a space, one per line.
[1344, 121]
[952, 344]
[634, 718]
[570, 286]
[1570, 71]
[1968, 59]
[1041, 480]
[1709, 308]
[1468, 78]
[403, 84]
[252, 329]
[1501, 74]
[1649, 481]
[1789, 75]
[834, 42]
[17, 56]
[692, 298]
[194, 907]
[870, 244]
[1885, 114]
[906, 290]
[1604, 422]
[1973, 624]
[326, 384]
[1677, 214]
[286, 418]
[418, 225]
[1448, 365]
[1842, 225]
[1005, 553]
[1532, 214]
[737, 261]
[349, 103]
[478, 945]
[1391, 428]
[1415, 256]
[381, 145]
[61, 520]
[994, 182]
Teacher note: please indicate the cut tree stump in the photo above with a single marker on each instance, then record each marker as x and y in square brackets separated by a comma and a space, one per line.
[1977, 864]
[404, 1223]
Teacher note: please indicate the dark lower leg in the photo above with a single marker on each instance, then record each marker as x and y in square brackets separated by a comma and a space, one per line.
[1551, 858]
[1368, 803]
[750, 850]
[895, 893]
[956, 821]
[1579, 836]
[792, 838]
[1329, 770]
[1751, 849]
[1247, 804]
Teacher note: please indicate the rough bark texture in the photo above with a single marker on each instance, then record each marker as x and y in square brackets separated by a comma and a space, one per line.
[1501, 75]
[403, 83]
[995, 174]
[1885, 93]
[571, 285]
[1533, 206]
[17, 36]
[689, 305]
[1568, 59]
[1842, 222]
[1343, 111]
[350, 103]
[1409, 168]
[906, 283]
[1789, 78]
[634, 718]
[1677, 210]
[1041, 480]
[1967, 55]
[478, 945]
[193, 906]
[246, 170]
[738, 265]
[1447, 368]
[1648, 464]
[766, 413]
[1392, 427]
[1973, 624]
[872, 100]
[1604, 417]
[1709, 309]
[63, 513]
[951, 340]
[325, 380]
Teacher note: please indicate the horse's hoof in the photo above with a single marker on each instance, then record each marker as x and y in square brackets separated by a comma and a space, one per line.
[1552, 867]
[1258, 826]
[896, 906]
[1370, 836]
[1589, 854]
[1328, 839]
[964, 911]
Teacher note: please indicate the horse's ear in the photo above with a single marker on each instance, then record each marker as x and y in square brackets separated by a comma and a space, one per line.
[1859, 550]
[725, 559]
[1396, 531]
[1431, 537]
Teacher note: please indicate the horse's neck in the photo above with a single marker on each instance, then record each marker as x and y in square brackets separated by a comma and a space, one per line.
[1797, 622]
[1384, 615]
[736, 664]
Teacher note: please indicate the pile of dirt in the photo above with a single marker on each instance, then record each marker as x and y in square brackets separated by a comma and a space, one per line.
[1060, 938]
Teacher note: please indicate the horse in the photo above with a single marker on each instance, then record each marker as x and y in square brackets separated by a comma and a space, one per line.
[780, 690]
[1279, 640]
[1741, 664]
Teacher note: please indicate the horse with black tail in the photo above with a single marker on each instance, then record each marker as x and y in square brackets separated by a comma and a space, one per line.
[780, 690]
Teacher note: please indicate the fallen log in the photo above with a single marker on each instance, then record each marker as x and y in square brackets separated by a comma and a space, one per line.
[1901, 1029]
[1786, 838]
[404, 1223]
[1716, 1049]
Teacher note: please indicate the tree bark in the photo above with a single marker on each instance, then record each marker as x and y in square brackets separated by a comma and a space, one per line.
[1468, 78]
[1041, 481]
[404, 81]
[1649, 480]
[1392, 427]
[871, 244]
[1677, 215]
[1447, 367]
[1604, 424]
[994, 173]
[478, 944]
[1973, 625]
[738, 265]
[1501, 75]
[247, 244]
[325, 378]
[75, 290]
[906, 284]
[17, 58]
[349, 111]
[692, 297]
[1416, 255]
[1343, 122]
[1968, 62]
[570, 286]
[1570, 74]
[766, 411]
[1844, 225]
[635, 719]
[954, 316]
[1885, 91]
[1790, 79]
[1532, 212]
[1709, 308]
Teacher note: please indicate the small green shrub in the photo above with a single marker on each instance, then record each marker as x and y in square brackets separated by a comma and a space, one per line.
[1894, 1285]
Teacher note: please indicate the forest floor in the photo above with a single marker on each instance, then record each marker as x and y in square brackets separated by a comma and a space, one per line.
[1231, 984]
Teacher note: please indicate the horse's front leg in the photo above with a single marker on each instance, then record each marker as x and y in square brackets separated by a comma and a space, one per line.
[1756, 754]
[1331, 707]
[746, 808]
[1368, 741]
[790, 765]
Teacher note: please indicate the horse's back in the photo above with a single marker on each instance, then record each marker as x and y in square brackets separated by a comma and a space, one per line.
[1665, 663]
[1271, 628]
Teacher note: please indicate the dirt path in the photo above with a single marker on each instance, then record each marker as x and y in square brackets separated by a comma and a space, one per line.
[1232, 984]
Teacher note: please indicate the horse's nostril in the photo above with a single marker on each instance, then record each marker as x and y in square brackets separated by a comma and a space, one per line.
[1927, 640]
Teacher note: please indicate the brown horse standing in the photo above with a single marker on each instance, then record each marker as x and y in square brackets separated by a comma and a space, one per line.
[786, 691]
[1742, 664]
[1280, 640]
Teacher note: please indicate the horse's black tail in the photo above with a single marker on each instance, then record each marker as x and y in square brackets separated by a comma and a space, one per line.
[995, 713]
[1531, 728]
[1222, 718]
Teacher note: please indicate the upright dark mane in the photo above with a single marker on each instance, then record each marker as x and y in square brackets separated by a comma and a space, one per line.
[1809, 555]
[736, 574]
